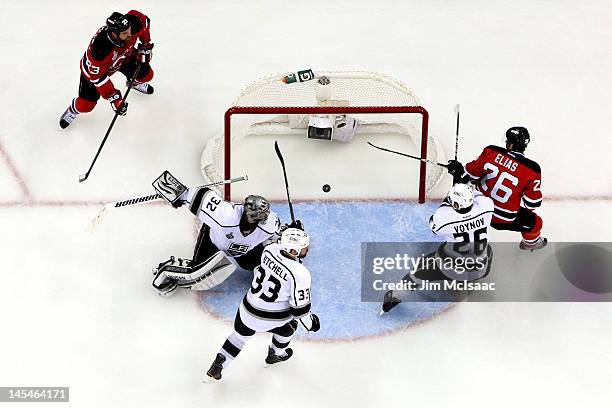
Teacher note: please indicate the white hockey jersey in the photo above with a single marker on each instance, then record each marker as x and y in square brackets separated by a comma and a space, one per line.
[469, 227]
[280, 292]
[466, 254]
[223, 218]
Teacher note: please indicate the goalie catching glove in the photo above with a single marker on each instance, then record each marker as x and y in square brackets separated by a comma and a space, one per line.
[170, 189]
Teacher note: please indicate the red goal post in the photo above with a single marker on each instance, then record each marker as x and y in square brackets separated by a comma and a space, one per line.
[312, 110]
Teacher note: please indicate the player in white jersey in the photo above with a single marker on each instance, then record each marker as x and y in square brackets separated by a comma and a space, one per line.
[462, 220]
[464, 216]
[279, 297]
[229, 230]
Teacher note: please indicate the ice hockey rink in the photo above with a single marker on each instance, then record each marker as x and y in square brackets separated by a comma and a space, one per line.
[77, 307]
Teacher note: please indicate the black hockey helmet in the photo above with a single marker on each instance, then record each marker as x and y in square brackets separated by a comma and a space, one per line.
[117, 22]
[518, 136]
[256, 209]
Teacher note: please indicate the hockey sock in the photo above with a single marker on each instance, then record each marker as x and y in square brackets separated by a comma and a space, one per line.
[232, 347]
[280, 344]
[80, 105]
[533, 234]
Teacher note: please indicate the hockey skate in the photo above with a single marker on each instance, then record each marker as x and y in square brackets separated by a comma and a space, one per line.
[389, 302]
[538, 244]
[67, 118]
[144, 88]
[215, 369]
[274, 358]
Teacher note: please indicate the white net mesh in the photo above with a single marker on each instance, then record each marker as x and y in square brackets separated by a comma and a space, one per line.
[355, 89]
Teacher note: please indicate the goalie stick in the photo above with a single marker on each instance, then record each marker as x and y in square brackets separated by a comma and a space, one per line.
[148, 198]
[282, 161]
[407, 155]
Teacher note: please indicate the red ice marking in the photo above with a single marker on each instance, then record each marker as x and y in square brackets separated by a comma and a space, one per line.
[16, 174]
[29, 200]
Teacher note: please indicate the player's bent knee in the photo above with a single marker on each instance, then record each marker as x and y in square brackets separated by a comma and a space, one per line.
[145, 74]
[82, 105]
[241, 328]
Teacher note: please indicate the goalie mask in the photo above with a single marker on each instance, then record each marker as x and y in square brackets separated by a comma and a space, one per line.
[256, 209]
[320, 127]
[461, 197]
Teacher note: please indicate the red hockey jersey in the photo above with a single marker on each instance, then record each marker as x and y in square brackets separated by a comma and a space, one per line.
[104, 57]
[509, 179]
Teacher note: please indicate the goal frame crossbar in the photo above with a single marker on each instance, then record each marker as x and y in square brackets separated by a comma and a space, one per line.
[339, 110]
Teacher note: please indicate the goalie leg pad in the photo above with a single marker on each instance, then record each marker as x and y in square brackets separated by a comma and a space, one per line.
[212, 272]
[203, 276]
[164, 284]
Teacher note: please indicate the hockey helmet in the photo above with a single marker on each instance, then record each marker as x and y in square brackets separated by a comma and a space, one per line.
[518, 136]
[256, 209]
[294, 240]
[117, 22]
[461, 197]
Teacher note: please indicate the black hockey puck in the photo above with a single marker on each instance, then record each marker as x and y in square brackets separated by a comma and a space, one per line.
[326, 188]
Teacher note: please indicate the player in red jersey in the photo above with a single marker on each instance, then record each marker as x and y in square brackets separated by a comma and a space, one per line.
[513, 182]
[113, 49]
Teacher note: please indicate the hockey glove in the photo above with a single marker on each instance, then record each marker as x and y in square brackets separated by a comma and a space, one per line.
[455, 168]
[145, 52]
[117, 103]
[296, 224]
[316, 324]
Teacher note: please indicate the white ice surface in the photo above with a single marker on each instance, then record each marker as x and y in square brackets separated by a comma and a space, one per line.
[77, 310]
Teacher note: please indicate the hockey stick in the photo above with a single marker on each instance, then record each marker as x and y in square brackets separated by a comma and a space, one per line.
[408, 155]
[148, 198]
[457, 131]
[83, 177]
[280, 157]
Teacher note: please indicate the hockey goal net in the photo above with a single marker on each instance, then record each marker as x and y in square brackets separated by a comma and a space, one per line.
[270, 109]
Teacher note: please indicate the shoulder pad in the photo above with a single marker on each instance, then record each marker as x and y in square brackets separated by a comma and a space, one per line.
[272, 224]
[496, 149]
[530, 163]
[101, 47]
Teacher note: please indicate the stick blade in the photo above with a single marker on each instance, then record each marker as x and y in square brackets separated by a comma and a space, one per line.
[82, 177]
[278, 152]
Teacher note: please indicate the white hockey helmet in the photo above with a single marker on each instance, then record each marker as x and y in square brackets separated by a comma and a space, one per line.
[294, 239]
[461, 197]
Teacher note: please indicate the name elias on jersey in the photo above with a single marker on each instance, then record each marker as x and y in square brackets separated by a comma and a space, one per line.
[506, 162]
[274, 267]
[468, 226]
